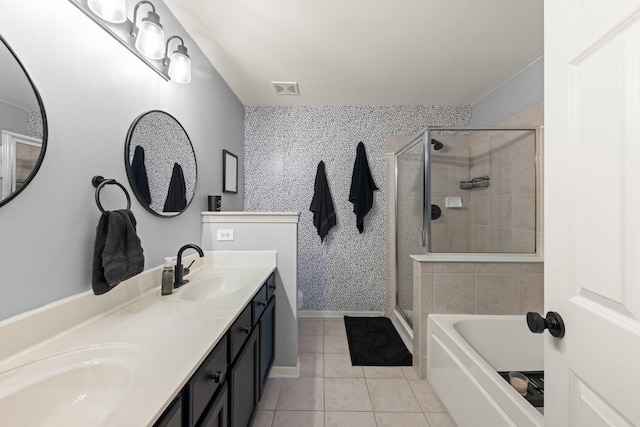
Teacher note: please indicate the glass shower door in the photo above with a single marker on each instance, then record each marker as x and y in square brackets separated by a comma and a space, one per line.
[409, 221]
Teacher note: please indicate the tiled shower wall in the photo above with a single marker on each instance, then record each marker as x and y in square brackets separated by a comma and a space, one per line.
[283, 146]
[449, 166]
[500, 218]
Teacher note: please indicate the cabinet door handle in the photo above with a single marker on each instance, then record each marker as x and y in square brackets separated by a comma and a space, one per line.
[216, 377]
[262, 303]
[246, 329]
[272, 286]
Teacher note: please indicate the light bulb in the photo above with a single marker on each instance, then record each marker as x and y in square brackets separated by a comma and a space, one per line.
[180, 67]
[150, 37]
[114, 11]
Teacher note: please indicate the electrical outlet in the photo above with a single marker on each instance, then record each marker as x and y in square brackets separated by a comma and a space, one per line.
[224, 234]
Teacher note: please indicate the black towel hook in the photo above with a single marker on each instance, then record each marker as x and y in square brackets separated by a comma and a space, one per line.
[99, 182]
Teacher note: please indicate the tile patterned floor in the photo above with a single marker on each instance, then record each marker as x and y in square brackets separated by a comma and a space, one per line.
[332, 393]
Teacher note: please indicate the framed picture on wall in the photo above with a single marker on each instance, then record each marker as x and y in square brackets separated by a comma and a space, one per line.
[229, 172]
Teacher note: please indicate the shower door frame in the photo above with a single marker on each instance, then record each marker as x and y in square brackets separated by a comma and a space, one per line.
[426, 217]
[409, 145]
[425, 136]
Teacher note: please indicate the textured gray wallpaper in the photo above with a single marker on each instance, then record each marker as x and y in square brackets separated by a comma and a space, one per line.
[283, 146]
[34, 124]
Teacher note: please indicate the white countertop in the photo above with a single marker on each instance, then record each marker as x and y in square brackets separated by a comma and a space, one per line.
[146, 349]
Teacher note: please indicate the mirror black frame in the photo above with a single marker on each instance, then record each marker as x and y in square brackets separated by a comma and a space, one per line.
[45, 134]
[130, 177]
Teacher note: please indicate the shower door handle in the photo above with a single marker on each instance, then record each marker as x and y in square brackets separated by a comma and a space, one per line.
[553, 322]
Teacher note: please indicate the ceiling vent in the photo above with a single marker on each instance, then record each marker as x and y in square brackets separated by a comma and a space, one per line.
[286, 88]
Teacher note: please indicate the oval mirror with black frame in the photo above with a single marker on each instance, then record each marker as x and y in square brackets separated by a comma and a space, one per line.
[160, 163]
[23, 126]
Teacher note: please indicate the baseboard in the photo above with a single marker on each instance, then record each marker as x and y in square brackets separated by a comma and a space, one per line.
[285, 371]
[329, 314]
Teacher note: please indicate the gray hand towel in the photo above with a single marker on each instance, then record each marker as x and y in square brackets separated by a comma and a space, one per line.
[117, 254]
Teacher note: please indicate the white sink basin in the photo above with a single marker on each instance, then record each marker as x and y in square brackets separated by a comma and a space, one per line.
[214, 284]
[83, 387]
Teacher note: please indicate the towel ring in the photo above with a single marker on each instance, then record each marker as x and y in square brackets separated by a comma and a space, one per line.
[99, 182]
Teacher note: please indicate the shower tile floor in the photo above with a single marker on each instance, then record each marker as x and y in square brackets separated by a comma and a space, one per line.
[332, 393]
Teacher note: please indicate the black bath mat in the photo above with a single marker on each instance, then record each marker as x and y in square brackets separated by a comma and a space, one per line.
[373, 341]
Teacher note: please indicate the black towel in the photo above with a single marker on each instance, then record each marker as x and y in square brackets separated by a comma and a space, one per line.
[177, 194]
[324, 215]
[362, 187]
[139, 172]
[117, 253]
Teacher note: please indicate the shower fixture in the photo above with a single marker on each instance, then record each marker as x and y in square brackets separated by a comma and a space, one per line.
[437, 145]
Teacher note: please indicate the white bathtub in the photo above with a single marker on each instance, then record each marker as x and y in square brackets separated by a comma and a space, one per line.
[464, 354]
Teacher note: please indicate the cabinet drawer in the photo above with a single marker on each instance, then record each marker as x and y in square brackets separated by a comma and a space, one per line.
[259, 303]
[239, 332]
[271, 286]
[208, 378]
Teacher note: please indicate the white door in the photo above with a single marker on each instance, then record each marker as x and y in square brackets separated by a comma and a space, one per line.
[592, 211]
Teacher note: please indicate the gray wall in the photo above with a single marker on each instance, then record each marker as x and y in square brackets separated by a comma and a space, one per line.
[519, 92]
[92, 89]
[283, 146]
[12, 118]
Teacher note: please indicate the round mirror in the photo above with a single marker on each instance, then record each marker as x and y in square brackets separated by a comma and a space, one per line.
[23, 125]
[160, 163]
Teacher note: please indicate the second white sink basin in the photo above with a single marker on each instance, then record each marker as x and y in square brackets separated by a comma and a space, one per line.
[83, 387]
[214, 284]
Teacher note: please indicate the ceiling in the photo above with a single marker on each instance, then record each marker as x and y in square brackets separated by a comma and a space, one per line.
[365, 52]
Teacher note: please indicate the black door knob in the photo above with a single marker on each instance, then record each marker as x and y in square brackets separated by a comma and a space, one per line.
[537, 324]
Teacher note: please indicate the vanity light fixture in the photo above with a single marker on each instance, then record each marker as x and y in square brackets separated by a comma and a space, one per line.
[179, 63]
[145, 39]
[149, 33]
[114, 11]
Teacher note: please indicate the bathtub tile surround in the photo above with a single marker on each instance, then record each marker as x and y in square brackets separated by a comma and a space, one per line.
[283, 145]
[338, 394]
[499, 287]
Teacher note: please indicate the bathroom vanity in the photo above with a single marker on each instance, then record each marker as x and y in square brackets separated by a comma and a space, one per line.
[198, 357]
[226, 388]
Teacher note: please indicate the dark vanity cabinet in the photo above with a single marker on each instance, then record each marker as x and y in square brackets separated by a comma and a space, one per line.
[172, 416]
[218, 414]
[205, 384]
[243, 401]
[267, 335]
[226, 388]
[251, 365]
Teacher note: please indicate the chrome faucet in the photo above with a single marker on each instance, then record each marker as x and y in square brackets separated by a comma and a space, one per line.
[180, 272]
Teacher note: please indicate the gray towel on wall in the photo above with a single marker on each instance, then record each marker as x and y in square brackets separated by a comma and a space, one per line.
[117, 253]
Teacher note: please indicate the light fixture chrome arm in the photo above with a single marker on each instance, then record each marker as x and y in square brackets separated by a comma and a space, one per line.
[180, 47]
[144, 39]
[134, 27]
